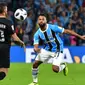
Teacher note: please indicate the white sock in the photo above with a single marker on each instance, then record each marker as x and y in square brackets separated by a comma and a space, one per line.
[34, 75]
[61, 67]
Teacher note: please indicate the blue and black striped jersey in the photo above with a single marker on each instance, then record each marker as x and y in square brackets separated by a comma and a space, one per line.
[50, 37]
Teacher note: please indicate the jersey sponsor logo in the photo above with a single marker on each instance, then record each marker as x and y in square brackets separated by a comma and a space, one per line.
[50, 36]
[50, 41]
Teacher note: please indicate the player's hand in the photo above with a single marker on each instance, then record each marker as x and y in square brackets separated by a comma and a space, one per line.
[83, 37]
[23, 45]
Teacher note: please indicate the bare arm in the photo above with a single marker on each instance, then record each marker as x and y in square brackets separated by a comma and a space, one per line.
[16, 38]
[74, 33]
[36, 49]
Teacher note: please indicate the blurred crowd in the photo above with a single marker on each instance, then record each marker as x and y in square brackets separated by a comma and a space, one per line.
[69, 14]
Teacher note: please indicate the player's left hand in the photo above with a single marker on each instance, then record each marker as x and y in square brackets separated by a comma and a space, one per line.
[83, 37]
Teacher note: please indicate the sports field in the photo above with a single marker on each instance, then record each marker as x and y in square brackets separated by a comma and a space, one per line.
[20, 74]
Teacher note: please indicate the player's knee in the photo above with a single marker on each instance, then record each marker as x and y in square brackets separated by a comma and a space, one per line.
[55, 68]
[2, 75]
[36, 64]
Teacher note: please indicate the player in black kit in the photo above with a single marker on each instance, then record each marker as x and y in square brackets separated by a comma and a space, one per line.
[6, 32]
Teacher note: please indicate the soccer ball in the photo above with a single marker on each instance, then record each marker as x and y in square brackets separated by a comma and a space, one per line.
[20, 14]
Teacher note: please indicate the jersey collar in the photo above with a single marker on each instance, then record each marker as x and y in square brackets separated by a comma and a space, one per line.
[44, 30]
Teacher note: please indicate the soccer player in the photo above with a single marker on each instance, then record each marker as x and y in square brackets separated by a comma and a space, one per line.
[6, 32]
[53, 47]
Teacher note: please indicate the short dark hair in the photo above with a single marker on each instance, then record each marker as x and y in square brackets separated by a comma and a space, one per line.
[2, 6]
[42, 15]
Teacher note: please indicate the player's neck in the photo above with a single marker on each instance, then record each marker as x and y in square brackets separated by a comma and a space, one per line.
[44, 28]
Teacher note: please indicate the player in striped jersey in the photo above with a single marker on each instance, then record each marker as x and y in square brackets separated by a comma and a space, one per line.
[53, 47]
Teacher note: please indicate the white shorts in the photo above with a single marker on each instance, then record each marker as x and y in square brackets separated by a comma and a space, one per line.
[45, 56]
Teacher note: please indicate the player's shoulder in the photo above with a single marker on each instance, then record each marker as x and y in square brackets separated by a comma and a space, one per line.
[37, 33]
[5, 21]
[52, 25]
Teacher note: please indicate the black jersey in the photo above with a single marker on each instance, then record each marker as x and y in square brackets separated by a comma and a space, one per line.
[6, 30]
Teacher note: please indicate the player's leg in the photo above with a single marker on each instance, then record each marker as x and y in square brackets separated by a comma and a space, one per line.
[3, 73]
[4, 60]
[65, 70]
[41, 57]
[4, 66]
[58, 64]
[35, 70]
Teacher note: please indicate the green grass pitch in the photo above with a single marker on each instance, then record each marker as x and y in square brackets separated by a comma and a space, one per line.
[20, 74]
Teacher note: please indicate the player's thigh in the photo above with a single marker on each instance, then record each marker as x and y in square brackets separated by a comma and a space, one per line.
[44, 57]
[58, 59]
[4, 56]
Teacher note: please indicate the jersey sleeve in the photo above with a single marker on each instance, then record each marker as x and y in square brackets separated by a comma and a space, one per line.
[36, 39]
[58, 29]
[11, 29]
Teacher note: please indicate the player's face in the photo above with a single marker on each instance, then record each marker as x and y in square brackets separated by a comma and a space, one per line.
[42, 21]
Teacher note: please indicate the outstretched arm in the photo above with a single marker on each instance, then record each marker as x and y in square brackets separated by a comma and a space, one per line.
[16, 38]
[74, 33]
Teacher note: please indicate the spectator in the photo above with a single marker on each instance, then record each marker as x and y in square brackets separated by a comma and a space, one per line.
[28, 29]
[64, 19]
[73, 40]
[19, 32]
[83, 33]
[67, 13]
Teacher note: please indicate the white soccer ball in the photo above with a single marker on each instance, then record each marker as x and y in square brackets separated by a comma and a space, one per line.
[20, 14]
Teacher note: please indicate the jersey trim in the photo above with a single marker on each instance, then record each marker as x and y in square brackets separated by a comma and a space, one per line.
[44, 30]
[56, 40]
[62, 30]
[47, 39]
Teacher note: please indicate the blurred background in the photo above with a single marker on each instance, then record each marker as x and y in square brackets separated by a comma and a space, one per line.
[67, 13]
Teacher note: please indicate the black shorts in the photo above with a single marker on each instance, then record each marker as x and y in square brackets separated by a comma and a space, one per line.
[4, 56]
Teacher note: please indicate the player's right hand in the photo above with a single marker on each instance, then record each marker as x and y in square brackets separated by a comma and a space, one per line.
[23, 45]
